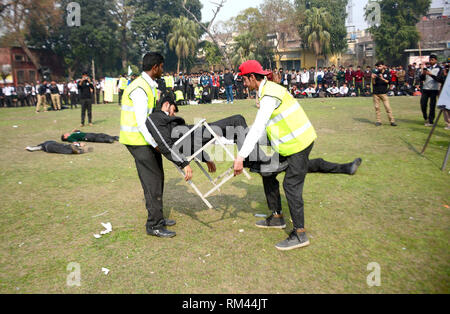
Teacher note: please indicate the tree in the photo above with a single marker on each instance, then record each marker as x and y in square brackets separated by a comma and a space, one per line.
[208, 28]
[18, 15]
[397, 30]
[280, 20]
[315, 31]
[183, 38]
[152, 24]
[123, 13]
[337, 18]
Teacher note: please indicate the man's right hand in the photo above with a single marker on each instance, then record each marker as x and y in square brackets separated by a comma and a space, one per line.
[187, 173]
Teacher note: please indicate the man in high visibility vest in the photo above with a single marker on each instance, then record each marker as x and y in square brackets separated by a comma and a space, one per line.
[122, 84]
[139, 100]
[291, 135]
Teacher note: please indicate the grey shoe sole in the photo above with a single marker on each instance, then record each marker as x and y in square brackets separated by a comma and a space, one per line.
[293, 247]
[271, 227]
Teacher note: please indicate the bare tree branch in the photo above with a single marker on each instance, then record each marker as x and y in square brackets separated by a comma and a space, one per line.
[222, 50]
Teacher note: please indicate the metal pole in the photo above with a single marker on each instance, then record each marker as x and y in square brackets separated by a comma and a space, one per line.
[95, 83]
[446, 158]
[431, 133]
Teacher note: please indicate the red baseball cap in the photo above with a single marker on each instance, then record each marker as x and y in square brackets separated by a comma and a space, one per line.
[252, 66]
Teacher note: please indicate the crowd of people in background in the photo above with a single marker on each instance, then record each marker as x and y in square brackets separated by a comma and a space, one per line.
[219, 86]
[50, 95]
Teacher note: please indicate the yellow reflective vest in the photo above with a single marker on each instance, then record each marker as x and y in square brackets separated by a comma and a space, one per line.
[123, 82]
[289, 129]
[179, 95]
[129, 132]
[169, 81]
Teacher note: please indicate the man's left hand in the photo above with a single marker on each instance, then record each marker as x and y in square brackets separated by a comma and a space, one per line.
[238, 165]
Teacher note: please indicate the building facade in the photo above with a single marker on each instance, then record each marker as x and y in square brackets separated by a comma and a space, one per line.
[17, 68]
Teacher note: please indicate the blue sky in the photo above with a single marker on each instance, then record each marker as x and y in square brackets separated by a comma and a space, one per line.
[232, 7]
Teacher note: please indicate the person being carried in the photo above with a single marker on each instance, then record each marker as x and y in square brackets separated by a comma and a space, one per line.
[59, 148]
[162, 126]
[78, 136]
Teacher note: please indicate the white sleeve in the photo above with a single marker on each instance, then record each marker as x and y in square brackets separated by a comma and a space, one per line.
[267, 106]
[141, 112]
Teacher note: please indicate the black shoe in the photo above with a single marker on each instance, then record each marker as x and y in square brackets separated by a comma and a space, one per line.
[378, 124]
[116, 138]
[161, 233]
[274, 221]
[169, 222]
[393, 124]
[354, 166]
[296, 239]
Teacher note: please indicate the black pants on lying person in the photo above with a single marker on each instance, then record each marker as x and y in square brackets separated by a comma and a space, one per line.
[57, 148]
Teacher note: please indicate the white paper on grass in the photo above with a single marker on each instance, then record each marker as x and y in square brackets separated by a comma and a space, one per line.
[97, 236]
[105, 270]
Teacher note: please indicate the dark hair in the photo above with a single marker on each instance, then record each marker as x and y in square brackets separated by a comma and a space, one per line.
[62, 138]
[258, 77]
[379, 63]
[150, 60]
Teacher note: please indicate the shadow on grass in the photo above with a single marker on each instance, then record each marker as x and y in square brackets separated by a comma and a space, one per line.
[363, 120]
[412, 148]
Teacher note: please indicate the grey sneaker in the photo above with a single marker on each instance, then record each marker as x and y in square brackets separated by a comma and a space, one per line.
[296, 239]
[274, 221]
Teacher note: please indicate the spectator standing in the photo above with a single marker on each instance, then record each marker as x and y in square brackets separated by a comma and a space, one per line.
[86, 88]
[401, 76]
[319, 76]
[312, 76]
[341, 76]
[431, 78]
[56, 97]
[349, 76]
[228, 81]
[304, 77]
[381, 79]
[73, 92]
[42, 98]
[368, 76]
[359, 76]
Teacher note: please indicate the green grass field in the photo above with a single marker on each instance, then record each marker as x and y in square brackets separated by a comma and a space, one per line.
[394, 211]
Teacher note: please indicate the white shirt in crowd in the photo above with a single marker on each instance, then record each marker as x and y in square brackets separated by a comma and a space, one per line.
[305, 77]
[73, 88]
[321, 73]
[102, 85]
[60, 88]
[310, 91]
[298, 78]
[8, 90]
[333, 90]
[141, 111]
[343, 90]
[266, 106]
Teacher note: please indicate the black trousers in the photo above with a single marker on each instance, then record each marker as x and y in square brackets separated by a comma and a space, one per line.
[359, 88]
[56, 148]
[8, 101]
[99, 138]
[120, 96]
[432, 95]
[73, 100]
[272, 186]
[149, 166]
[86, 104]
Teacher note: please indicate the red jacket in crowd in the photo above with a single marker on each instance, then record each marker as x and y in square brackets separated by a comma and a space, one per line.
[359, 75]
[349, 75]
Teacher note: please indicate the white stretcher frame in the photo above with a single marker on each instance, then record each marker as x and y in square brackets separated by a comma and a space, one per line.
[224, 177]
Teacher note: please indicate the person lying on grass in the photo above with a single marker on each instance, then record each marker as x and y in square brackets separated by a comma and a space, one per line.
[59, 148]
[78, 136]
